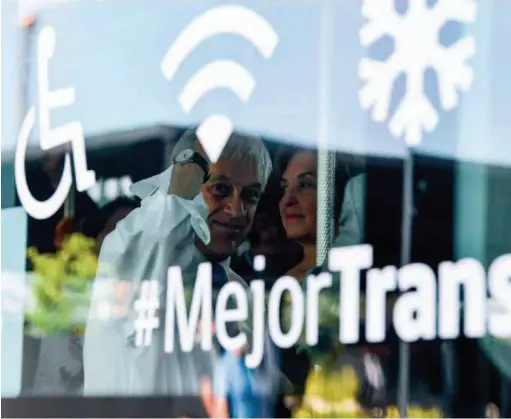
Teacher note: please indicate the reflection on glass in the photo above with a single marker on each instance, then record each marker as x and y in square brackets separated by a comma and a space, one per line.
[309, 89]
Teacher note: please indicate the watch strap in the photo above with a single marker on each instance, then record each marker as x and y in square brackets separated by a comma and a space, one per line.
[197, 159]
[203, 163]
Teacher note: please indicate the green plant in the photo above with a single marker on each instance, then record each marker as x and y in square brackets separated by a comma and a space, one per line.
[60, 287]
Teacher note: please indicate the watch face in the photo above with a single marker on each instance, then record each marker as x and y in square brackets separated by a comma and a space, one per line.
[184, 155]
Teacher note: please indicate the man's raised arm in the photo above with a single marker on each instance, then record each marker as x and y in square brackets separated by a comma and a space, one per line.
[140, 248]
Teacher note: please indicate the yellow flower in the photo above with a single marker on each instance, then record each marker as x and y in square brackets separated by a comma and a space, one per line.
[77, 244]
[61, 280]
[85, 267]
[302, 413]
[392, 412]
[331, 393]
[415, 412]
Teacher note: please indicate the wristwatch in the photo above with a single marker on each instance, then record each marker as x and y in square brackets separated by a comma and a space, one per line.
[189, 156]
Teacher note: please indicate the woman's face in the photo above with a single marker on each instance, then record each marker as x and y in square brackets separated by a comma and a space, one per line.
[299, 203]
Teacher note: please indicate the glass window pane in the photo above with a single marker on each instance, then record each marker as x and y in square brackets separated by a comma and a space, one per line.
[304, 81]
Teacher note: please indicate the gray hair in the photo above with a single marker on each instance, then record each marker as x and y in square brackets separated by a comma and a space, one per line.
[247, 149]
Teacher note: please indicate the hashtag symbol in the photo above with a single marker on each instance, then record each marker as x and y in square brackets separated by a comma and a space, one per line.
[146, 308]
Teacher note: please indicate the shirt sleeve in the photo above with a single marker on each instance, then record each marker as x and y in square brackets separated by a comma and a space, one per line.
[140, 248]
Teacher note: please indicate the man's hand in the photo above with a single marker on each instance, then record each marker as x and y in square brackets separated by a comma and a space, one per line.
[187, 179]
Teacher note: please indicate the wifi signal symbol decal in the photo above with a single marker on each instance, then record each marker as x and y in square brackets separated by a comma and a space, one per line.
[215, 130]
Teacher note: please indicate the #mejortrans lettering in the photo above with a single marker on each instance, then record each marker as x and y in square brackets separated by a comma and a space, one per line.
[426, 295]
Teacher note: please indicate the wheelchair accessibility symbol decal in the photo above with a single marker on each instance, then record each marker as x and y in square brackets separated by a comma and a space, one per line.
[69, 134]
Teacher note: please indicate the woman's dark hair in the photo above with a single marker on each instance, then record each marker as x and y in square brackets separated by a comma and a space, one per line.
[92, 225]
[342, 172]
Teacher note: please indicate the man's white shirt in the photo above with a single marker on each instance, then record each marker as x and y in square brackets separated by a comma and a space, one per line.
[159, 234]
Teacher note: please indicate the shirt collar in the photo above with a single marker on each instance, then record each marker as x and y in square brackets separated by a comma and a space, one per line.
[200, 258]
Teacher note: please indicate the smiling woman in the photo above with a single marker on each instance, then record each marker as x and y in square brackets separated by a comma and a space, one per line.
[298, 204]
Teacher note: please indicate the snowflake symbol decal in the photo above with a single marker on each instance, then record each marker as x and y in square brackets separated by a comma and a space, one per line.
[417, 48]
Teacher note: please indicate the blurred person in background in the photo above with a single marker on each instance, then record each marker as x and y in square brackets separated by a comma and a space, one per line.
[60, 362]
[104, 221]
[42, 357]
